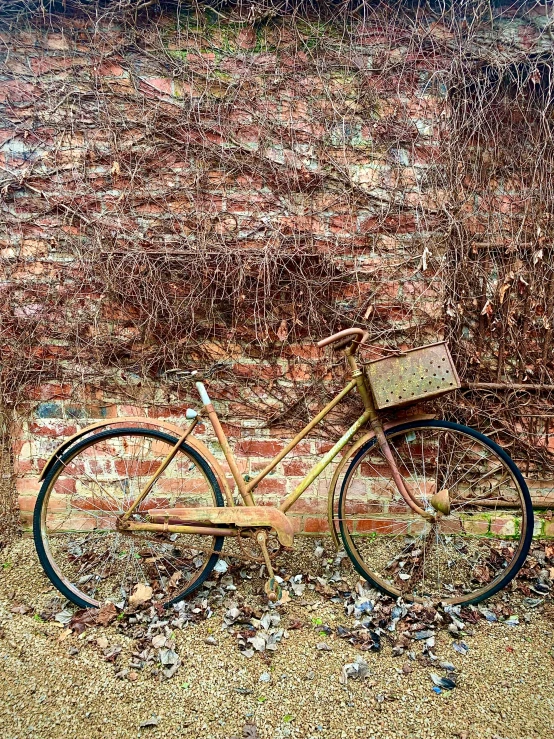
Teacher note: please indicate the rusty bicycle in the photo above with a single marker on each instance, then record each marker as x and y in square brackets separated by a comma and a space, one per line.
[425, 508]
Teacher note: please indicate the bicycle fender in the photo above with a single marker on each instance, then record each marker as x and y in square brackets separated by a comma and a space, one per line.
[196, 444]
[351, 452]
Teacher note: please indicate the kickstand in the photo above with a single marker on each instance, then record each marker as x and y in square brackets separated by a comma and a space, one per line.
[272, 588]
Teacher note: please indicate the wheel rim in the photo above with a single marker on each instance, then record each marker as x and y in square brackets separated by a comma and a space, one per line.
[467, 554]
[92, 486]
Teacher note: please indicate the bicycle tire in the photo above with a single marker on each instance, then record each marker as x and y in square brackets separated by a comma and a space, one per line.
[527, 514]
[52, 570]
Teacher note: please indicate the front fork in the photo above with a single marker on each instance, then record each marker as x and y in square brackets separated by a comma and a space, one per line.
[381, 437]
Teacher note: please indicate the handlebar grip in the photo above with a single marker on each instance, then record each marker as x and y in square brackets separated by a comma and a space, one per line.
[347, 333]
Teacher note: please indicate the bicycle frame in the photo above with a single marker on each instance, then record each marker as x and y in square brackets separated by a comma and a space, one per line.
[245, 489]
[220, 521]
[358, 381]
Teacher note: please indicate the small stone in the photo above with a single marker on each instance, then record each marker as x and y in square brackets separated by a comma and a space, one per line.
[323, 647]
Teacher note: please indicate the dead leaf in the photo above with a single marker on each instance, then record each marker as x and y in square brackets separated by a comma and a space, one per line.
[354, 670]
[159, 641]
[112, 653]
[20, 609]
[482, 573]
[503, 290]
[487, 309]
[102, 642]
[81, 619]
[174, 579]
[106, 614]
[141, 594]
[152, 721]
[282, 331]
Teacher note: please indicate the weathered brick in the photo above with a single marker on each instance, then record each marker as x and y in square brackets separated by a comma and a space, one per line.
[316, 525]
[52, 429]
[272, 485]
[296, 468]
[27, 486]
[307, 504]
[254, 448]
[381, 526]
[161, 84]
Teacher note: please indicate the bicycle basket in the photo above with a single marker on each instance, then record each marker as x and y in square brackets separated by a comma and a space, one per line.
[417, 374]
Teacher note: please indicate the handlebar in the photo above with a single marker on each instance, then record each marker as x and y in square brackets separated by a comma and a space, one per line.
[345, 338]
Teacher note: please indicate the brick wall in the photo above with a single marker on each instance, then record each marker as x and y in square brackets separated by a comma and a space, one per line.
[126, 159]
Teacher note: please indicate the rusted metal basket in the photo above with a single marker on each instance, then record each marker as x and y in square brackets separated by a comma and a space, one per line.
[417, 374]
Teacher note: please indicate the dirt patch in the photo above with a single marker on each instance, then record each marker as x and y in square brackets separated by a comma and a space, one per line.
[61, 683]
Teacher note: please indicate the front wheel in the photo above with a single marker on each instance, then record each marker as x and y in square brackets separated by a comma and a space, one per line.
[462, 557]
[90, 486]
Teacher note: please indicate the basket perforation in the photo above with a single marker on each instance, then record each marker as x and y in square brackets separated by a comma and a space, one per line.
[417, 374]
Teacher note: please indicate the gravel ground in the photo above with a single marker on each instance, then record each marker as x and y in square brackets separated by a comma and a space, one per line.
[59, 684]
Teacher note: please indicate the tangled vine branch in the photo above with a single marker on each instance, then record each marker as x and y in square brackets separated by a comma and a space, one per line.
[214, 185]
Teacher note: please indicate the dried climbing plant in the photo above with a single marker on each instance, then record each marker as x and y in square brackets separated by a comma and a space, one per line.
[203, 185]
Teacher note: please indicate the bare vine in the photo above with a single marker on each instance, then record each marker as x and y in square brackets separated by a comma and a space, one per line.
[213, 186]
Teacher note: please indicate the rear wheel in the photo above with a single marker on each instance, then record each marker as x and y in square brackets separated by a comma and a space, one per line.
[463, 557]
[93, 483]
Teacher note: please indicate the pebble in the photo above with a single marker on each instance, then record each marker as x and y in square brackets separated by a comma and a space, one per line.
[82, 696]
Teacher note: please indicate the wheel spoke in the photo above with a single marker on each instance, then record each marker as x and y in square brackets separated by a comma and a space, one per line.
[96, 482]
[458, 557]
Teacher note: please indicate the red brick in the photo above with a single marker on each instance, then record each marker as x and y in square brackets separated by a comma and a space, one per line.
[381, 526]
[27, 486]
[253, 448]
[17, 91]
[132, 468]
[305, 504]
[232, 431]
[21, 466]
[167, 411]
[130, 410]
[316, 525]
[322, 447]
[52, 429]
[26, 503]
[184, 487]
[44, 65]
[110, 69]
[162, 84]
[51, 391]
[360, 507]
[272, 485]
[296, 468]
[65, 486]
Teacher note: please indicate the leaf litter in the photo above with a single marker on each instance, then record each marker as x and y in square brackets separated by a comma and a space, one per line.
[257, 627]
